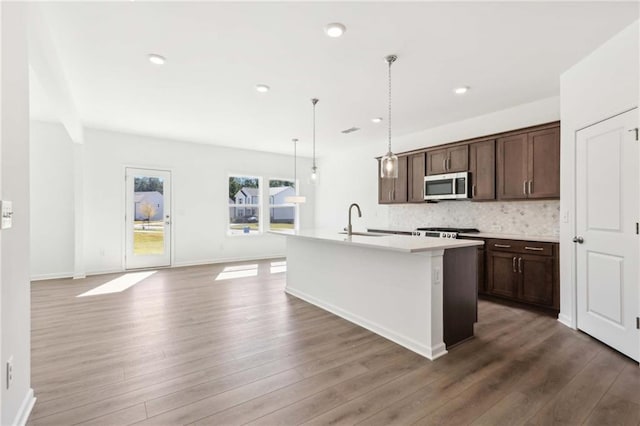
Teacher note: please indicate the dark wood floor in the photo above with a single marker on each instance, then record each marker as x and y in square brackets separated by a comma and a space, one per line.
[183, 348]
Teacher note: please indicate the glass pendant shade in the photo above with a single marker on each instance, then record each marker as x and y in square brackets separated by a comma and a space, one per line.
[295, 199]
[389, 166]
[314, 175]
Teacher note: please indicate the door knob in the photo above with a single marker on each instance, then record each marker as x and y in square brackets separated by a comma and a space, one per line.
[578, 240]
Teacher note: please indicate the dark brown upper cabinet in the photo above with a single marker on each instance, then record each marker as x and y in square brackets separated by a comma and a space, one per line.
[544, 163]
[529, 165]
[416, 173]
[448, 160]
[482, 165]
[394, 191]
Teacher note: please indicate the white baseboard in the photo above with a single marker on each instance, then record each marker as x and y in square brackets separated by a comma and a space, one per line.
[431, 353]
[42, 277]
[25, 409]
[227, 260]
[565, 320]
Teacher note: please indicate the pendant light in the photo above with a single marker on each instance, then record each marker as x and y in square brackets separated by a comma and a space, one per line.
[314, 168]
[296, 199]
[389, 163]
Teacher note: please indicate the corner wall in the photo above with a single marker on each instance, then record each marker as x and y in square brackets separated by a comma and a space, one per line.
[603, 84]
[17, 401]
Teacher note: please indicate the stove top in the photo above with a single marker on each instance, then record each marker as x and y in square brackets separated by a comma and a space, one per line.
[446, 229]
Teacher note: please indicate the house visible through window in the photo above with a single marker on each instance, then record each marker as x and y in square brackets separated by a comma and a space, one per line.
[282, 216]
[244, 205]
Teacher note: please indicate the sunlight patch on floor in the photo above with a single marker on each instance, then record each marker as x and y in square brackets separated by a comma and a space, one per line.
[239, 271]
[278, 267]
[119, 284]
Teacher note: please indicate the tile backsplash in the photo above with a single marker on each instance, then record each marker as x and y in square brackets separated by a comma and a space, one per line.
[539, 218]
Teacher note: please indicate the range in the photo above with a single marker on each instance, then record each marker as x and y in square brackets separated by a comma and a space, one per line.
[442, 232]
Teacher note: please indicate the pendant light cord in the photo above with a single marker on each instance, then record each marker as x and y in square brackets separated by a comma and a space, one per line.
[390, 61]
[314, 101]
[295, 165]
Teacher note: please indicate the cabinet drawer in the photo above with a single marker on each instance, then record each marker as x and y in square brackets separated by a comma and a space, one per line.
[521, 247]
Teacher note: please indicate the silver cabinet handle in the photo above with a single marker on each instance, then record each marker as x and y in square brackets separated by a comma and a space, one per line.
[524, 187]
[444, 164]
[502, 245]
[520, 264]
[473, 191]
[534, 248]
[449, 162]
[513, 263]
[530, 187]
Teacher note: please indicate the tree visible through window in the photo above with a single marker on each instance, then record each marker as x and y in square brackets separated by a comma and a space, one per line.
[244, 205]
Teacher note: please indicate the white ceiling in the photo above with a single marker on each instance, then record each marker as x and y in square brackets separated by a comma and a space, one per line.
[509, 53]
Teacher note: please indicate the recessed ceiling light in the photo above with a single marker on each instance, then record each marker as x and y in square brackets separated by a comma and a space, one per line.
[262, 88]
[461, 90]
[335, 29]
[156, 59]
[377, 120]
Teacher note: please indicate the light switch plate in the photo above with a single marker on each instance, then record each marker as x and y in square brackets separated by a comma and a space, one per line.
[6, 209]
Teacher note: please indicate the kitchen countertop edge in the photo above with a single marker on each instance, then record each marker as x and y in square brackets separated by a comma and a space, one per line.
[399, 243]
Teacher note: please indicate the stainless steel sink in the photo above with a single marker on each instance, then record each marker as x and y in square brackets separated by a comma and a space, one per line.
[363, 234]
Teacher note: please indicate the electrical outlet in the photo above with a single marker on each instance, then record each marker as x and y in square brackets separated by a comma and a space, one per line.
[9, 372]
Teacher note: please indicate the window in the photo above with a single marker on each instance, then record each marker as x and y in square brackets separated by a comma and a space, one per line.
[244, 205]
[282, 215]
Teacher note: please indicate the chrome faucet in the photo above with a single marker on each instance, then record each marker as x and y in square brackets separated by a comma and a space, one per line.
[349, 228]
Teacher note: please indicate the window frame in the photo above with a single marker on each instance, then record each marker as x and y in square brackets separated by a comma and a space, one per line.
[258, 207]
[296, 207]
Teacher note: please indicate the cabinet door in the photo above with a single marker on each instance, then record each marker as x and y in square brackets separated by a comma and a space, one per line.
[502, 278]
[399, 194]
[537, 279]
[512, 165]
[437, 162]
[482, 164]
[458, 159]
[544, 163]
[385, 188]
[415, 184]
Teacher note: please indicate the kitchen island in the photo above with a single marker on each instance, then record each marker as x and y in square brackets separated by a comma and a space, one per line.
[418, 292]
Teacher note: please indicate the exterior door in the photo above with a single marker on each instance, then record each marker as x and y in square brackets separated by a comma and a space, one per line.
[607, 210]
[148, 218]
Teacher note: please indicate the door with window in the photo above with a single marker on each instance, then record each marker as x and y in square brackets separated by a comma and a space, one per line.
[607, 212]
[148, 218]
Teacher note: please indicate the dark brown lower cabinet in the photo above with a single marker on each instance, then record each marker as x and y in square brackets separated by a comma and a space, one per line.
[503, 280]
[523, 271]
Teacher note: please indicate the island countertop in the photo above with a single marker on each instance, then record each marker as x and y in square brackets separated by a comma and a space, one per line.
[400, 243]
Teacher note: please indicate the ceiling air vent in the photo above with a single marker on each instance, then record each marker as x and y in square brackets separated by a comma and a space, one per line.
[351, 130]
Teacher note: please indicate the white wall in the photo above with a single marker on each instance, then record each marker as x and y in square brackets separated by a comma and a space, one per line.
[199, 196]
[17, 401]
[603, 84]
[351, 176]
[52, 203]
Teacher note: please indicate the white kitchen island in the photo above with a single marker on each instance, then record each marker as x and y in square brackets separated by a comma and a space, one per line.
[406, 289]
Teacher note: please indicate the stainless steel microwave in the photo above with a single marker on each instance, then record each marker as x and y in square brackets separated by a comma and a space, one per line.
[449, 186]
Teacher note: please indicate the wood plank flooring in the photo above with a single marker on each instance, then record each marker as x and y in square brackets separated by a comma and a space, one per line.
[182, 348]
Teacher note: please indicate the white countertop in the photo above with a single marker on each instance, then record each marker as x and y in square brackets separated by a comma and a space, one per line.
[402, 243]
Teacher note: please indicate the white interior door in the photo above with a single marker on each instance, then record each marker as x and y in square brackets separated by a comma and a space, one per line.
[607, 210]
[148, 218]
